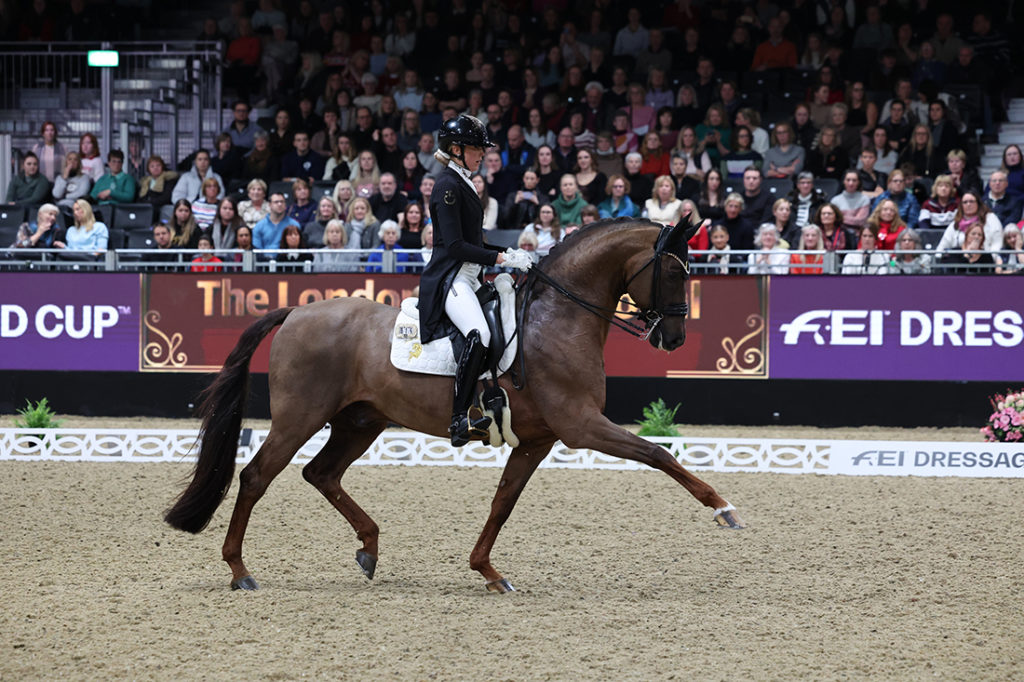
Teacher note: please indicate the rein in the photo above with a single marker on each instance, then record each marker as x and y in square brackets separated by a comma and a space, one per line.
[650, 316]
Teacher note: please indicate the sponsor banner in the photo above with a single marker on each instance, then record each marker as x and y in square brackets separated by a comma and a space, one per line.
[193, 321]
[74, 321]
[968, 328]
[968, 460]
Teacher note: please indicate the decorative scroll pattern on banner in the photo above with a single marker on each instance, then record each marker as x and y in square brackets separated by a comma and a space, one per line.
[407, 448]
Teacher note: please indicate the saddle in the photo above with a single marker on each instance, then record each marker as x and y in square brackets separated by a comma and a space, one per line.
[410, 354]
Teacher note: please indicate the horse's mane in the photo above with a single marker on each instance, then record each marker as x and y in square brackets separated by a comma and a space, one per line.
[595, 230]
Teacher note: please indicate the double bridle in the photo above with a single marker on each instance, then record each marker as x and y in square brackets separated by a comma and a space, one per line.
[642, 323]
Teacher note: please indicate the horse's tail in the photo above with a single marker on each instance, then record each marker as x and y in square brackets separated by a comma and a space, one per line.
[222, 409]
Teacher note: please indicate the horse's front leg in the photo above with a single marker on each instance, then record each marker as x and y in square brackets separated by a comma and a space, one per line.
[521, 464]
[597, 433]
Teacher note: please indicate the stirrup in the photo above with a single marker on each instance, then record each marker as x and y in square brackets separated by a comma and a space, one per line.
[470, 426]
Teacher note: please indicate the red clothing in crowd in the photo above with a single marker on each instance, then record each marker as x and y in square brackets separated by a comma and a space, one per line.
[805, 264]
[887, 237]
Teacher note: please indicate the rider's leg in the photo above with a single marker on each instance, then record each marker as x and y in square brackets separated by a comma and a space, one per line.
[463, 310]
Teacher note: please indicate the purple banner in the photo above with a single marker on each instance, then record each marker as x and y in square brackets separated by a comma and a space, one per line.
[69, 321]
[967, 328]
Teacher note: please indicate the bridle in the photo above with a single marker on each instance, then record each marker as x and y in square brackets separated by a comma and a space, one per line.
[640, 323]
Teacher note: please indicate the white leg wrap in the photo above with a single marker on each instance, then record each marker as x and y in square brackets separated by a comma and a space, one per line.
[722, 510]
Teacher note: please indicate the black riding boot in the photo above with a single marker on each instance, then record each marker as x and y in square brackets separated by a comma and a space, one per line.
[466, 427]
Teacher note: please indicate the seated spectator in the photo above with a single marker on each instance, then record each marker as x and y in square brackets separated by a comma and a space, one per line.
[886, 224]
[742, 155]
[589, 179]
[301, 209]
[663, 206]
[281, 136]
[425, 154]
[802, 263]
[641, 184]
[92, 162]
[782, 218]
[261, 162]
[301, 162]
[909, 209]
[750, 118]
[624, 140]
[569, 202]
[225, 225]
[156, 188]
[698, 161]
[741, 233]
[535, 133]
[547, 229]
[362, 227]
[757, 201]
[29, 187]
[865, 260]
[872, 181]
[205, 209]
[972, 211]
[410, 176]
[242, 130]
[714, 134]
[243, 241]
[366, 174]
[771, 258]
[1013, 166]
[1010, 258]
[885, 155]
[920, 153]
[226, 159]
[848, 136]
[784, 159]
[973, 258]
[87, 234]
[313, 230]
[718, 256]
[1007, 207]
[489, 203]
[332, 256]
[389, 234]
[944, 134]
[343, 194]
[387, 203]
[862, 113]
[775, 52]
[528, 242]
[190, 184]
[412, 221]
[665, 129]
[618, 204]
[521, 207]
[711, 199]
[182, 223]
[655, 159]
[41, 233]
[255, 208]
[116, 186]
[805, 132]
[161, 242]
[938, 210]
[342, 161]
[268, 233]
[964, 179]
[898, 126]
[72, 183]
[207, 260]
[805, 199]
[289, 259]
[827, 159]
[836, 236]
[855, 205]
[606, 159]
[686, 186]
[904, 261]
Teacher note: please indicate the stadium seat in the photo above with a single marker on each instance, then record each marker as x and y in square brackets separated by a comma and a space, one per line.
[778, 187]
[930, 238]
[829, 186]
[116, 238]
[12, 215]
[165, 213]
[8, 235]
[502, 238]
[128, 216]
[236, 189]
[322, 188]
[282, 186]
[139, 238]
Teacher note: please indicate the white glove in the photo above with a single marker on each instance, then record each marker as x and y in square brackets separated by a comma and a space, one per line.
[517, 258]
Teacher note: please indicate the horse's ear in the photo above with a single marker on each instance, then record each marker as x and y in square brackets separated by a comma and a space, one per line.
[691, 228]
[680, 234]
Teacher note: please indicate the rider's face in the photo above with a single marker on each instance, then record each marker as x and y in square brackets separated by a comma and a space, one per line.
[473, 156]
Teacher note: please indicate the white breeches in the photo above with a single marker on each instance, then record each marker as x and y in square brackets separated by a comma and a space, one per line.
[462, 306]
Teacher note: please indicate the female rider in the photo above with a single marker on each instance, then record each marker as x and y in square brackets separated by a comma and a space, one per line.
[451, 278]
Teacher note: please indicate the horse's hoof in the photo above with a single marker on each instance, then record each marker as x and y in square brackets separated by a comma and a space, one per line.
[501, 586]
[366, 562]
[246, 583]
[726, 517]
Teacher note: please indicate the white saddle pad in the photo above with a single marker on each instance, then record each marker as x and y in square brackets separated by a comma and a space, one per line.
[437, 357]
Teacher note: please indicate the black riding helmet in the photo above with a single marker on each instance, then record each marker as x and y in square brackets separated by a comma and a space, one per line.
[463, 130]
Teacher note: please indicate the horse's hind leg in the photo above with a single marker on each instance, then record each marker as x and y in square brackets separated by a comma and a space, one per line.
[520, 467]
[273, 456]
[352, 431]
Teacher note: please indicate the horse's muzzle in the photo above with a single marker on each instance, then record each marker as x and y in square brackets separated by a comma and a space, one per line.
[665, 340]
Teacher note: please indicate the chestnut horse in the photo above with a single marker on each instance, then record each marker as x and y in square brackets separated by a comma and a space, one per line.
[329, 363]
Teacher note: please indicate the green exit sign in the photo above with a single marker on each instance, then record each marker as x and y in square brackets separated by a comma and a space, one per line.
[103, 58]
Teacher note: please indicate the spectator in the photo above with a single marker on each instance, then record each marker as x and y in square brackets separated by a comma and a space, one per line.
[633, 38]
[711, 202]
[938, 210]
[189, 185]
[87, 234]
[861, 113]
[885, 222]
[854, 204]
[714, 134]
[388, 203]
[500, 182]
[698, 162]
[490, 204]
[292, 241]
[389, 154]
[281, 136]
[302, 162]
[964, 178]
[897, 126]
[866, 260]
[687, 113]
[848, 136]
[907, 205]
[362, 226]
[226, 161]
[618, 204]
[413, 223]
[49, 151]
[606, 159]
[72, 183]
[782, 218]
[569, 202]
[655, 58]
[904, 262]
[389, 234]
[624, 140]
[410, 133]
[243, 241]
[802, 263]
[973, 258]
[1013, 166]
[752, 119]
[784, 159]
[243, 60]
[301, 209]
[641, 184]
[837, 235]
[565, 151]
[535, 133]
[135, 162]
[663, 206]
[43, 232]
[944, 134]
[806, 199]
[29, 187]
[804, 130]
[313, 230]
[365, 174]
[771, 258]
[255, 208]
[873, 34]
[279, 60]
[116, 186]
[591, 182]
[225, 225]
[827, 158]
[972, 211]
[945, 41]
[183, 226]
[776, 52]
[998, 200]
[884, 156]
[1011, 258]
[521, 207]
[161, 242]
[665, 128]
[873, 182]
[426, 190]
[742, 155]
[89, 150]
[718, 256]
[205, 208]
[547, 229]
[207, 260]
[684, 185]
[341, 162]
[269, 232]
[411, 175]
[757, 203]
[261, 162]
[332, 257]
[242, 131]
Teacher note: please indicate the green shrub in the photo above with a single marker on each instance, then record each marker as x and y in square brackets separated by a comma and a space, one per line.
[38, 417]
[658, 420]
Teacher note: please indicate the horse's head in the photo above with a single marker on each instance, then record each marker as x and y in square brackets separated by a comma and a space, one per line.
[659, 287]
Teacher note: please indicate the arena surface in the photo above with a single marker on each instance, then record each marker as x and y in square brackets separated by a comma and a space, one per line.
[620, 575]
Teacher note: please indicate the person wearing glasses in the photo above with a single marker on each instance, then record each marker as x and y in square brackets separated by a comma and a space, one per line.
[909, 209]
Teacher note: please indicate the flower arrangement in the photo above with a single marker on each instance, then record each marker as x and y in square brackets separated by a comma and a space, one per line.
[1006, 423]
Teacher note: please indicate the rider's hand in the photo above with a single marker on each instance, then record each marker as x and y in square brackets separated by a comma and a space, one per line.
[517, 258]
